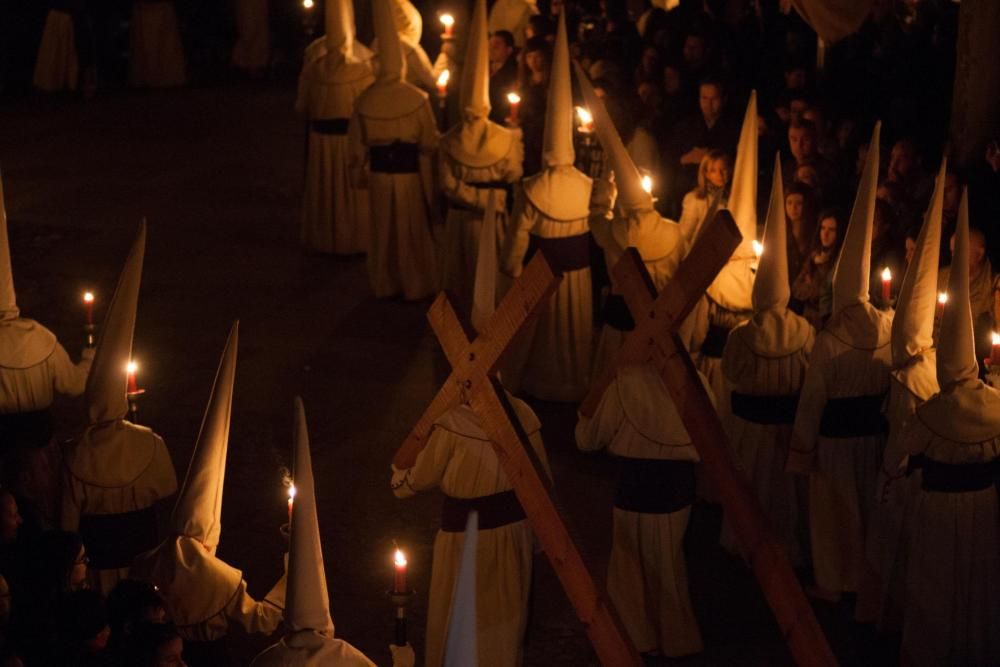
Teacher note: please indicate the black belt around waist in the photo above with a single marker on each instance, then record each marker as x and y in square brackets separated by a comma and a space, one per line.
[764, 409]
[395, 158]
[329, 125]
[489, 185]
[616, 313]
[26, 429]
[853, 417]
[715, 341]
[956, 477]
[495, 511]
[565, 254]
[114, 540]
[652, 486]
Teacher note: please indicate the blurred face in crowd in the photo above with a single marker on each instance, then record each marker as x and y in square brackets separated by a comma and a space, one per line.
[717, 173]
[10, 518]
[170, 654]
[952, 193]
[802, 143]
[795, 79]
[844, 132]
[535, 61]
[649, 59]
[555, 6]
[694, 50]
[828, 232]
[710, 101]
[797, 109]
[807, 174]
[499, 51]
[647, 93]
[793, 207]
[671, 80]
[902, 161]
[78, 575]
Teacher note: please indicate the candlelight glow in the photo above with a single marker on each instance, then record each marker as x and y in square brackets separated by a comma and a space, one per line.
[996, 338]
[758, 248]
[942, 298]
[131, 367]
[647, 183]
[447, 20]
[584, 115]
[292, 491]
[886, 274]
[513, 98]
[308, 4]
[442, 80]
[399, 558]
[88, 297]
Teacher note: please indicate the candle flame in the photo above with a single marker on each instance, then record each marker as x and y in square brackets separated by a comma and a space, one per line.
[442, 80]
[131, 367]
[996, 338]
[942, 298]
[758, 248]
[886, 274]
[88, 297]
[308, 4]
[292, 491]
[447, 20]
[647, 183]
[513, 98]
[584, 115]
[399, 558]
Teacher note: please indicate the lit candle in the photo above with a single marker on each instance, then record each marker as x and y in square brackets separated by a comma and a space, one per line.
[647, 183]
[448, 21]
[586, 120]
[133, 386]
[758, 248]
[442, 83]
[942, 301]
[308, 4]
[886, 284]
[515, 101]
[88, 304]
[995, 351]
[399, 580]
[291, 501]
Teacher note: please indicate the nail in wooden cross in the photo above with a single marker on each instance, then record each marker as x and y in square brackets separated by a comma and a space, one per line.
[472, 380]
[655, 341]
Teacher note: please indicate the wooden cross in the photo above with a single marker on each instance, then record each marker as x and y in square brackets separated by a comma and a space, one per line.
[654, 340]
[472, 380]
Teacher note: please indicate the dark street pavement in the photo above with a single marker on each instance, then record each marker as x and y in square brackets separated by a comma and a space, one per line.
[217, 173]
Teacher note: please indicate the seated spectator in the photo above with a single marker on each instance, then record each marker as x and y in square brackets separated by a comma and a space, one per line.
[811, 287]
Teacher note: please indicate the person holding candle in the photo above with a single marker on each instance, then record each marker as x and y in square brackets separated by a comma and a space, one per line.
[33, 365]
[115, 471]
[551, 358]
[913, 380]
[204, 595]
[336, 69]
[952, 599]
[478, 160]
[840, 430]
[392, 137]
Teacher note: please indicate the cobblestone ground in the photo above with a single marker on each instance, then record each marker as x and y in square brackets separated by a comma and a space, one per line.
[217, 173]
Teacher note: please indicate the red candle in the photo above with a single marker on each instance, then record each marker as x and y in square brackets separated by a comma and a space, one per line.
[442, 83]
[586, 120]
[133, 386]
[886, 285]
[995, 351]
[942, 300]
[515, 102]
[88, 304]
[291, 502]
[448, 21]
[399, 580]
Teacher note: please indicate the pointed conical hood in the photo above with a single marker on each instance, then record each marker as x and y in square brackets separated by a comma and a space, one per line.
[851, 275]
[8, 299]
[390, 51]
[409, 23]
[771, 286]
[956, 350]
[107, 382]
[198, 512]
[475, 92]
[340, 27]
[557, 146]
[484, 288]
[308, 604]
[461, 648]
[743, 194]
[631, 196]
[913, 323]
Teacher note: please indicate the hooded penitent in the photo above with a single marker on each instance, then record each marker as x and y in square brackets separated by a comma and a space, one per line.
[392, 65]
[475, 90]
[461, 648]
[8, 300]
[557, 148]
[913, 323]
[771, 287]
[851, 275]
[340, 29]
[484, 289]
[733, 287]
[409, 23]
[956, 349]
[108, 381]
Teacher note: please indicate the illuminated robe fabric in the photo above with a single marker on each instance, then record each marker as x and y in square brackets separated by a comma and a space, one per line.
[156, 56]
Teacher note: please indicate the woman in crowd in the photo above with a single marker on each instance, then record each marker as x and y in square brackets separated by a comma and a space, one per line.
[533, 84]
[709, 196]
[811, 287]
[800, 212]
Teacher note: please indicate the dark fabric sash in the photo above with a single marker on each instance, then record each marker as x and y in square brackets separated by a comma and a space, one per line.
[395, 158]
[569, 253]
[114, 540]
[765, 409]
[495, 511]
[25, 429]
[715, 341]
[853, 417]
[489, 185]
[956, 477]
[653, 486]
[616, 313]
[329, 125]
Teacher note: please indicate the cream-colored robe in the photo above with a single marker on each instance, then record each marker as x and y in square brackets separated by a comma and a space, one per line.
[767, 356]
[511, 15]
[401, 252]
[335, 214]
[479, 151]
[460, 460]
[113, 468]
[34, 367]
[308, 648]
[952, 614]
[252, 50]
[57, 66]
[156, 56]
[203, 595]
[551, 358]
[851, 357]
[647, 573]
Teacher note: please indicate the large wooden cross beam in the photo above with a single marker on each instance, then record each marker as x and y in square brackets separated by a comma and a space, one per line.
[472, 380]
[655, 341]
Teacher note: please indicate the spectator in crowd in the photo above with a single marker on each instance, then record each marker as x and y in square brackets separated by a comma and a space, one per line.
[800, 217]
[155, 645]
[533, 86]
[804, 148]
[503, 74]
[708, 196]
[811, 287]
